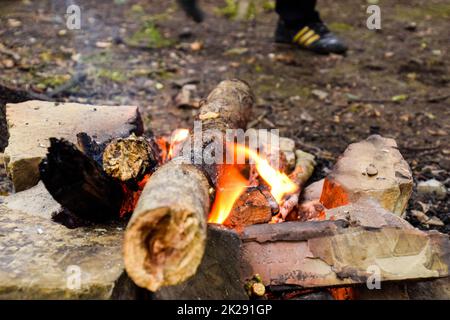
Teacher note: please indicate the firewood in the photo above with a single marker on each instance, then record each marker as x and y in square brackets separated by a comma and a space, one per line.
[79, 184]
[130, 158]
[165, 238]
[252, 207]
[90, 147]
[304, 168]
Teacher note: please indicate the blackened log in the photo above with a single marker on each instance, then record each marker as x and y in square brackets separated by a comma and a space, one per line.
[79, 184]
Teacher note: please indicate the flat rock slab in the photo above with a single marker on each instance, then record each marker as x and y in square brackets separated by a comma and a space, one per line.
[35, 201]
[311, 255]
[32, 123]
[40, 259]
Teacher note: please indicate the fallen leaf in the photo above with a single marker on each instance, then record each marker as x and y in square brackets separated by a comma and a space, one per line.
[399, 98]
[196, 46]
[322, 95]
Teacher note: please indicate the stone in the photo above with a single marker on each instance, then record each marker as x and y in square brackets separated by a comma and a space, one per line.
[187, 97]
[367, 213]
[372, 168]
[432, 187]
[342, 255]
[32, 123]
[41, 259]
[313, 191]
[313, 255]
[426, 220]
[35, 201]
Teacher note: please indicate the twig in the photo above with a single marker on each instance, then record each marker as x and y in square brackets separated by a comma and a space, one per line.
[419, 149]
[253, 123]
[439, 98]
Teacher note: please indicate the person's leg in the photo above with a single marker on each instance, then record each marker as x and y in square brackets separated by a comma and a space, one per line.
[296, 12]
[300, 24]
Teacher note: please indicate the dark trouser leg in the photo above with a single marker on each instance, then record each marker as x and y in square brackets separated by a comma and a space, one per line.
[297, 12]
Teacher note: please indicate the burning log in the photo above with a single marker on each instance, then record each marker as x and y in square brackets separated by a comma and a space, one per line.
[129, 159]
[79, 184]
[252, 207]
[165, 238]
[304, 168]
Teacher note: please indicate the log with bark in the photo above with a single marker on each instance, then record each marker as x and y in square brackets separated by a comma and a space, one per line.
[79, 184]
[74, 176]
[165, 238]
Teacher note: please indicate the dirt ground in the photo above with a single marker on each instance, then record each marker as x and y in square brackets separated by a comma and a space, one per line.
[394, 82]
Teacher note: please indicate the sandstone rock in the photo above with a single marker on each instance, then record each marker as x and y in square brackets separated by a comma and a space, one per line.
[372, 168]
[312, 255]
[32, 123]
[35, 201]
[367, 213]
[41, 259]
[432, 187]
[313, 191]
[340, 256]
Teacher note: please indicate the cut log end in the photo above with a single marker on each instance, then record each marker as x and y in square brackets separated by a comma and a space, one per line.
[163, 247]
[129, 158]
[165, 238]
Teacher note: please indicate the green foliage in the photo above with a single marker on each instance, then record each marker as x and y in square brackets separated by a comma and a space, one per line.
[113, 75]
[150, 36]
[230, 9]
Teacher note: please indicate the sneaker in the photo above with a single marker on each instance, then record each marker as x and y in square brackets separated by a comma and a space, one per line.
[313, 36]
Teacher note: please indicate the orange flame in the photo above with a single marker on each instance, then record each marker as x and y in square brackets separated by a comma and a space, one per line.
[231, 184]
[279, 182]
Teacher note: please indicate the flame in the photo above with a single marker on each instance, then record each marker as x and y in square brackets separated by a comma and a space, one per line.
[168, 146]
[230, 185]
[177, 137]
[279, 182]
[132, 196]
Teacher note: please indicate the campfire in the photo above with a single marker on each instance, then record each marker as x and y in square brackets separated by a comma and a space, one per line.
[242, 226]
